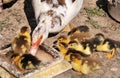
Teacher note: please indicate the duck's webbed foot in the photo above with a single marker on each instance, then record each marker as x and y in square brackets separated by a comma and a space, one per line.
[110, 55]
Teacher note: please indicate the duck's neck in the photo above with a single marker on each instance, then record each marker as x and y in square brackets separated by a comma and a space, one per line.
[39, 35]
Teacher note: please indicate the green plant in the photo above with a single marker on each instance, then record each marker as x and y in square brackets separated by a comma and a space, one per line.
[94, 11]
[3, 24]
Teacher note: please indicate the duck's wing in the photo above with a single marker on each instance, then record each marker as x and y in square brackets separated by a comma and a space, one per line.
[73, 9]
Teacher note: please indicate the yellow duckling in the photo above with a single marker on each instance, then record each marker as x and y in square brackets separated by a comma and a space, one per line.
[79, 29]
[22, 41]
[67, 56]
[64, 39]
[25, 62]
[105, 45]
[62, 47]
[71, 51]
[82, 47]
[80, 33]
[84, 65]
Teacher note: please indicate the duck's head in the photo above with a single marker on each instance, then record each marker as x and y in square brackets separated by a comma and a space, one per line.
[63, 39]
[24, 29]
[39, 34]
[73, 44]
[99, 38]
[75, 57]
[62, 45]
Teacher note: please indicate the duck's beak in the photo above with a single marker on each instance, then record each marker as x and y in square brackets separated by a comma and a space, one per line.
[35, 45]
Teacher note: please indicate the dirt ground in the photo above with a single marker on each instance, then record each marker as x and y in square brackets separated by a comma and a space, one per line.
[97, 19]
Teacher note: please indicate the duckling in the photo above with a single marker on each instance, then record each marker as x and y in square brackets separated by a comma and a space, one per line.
[105, 45]
[86, 47]
[67, 56]
[84, 65]
[22, 41]
[72, 51]
[79, 29]
[62, 38]
[80, 33]
[82, 47]
[25, 62]
[52, 16]
[62, 47]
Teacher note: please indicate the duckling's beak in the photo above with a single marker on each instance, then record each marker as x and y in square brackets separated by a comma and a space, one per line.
[35, 45]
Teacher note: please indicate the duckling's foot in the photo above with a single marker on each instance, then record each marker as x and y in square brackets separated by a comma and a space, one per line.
[79, 73]
[68, 27]
[111, 54]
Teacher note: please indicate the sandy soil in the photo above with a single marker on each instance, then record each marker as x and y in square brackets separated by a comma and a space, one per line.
[13, 18]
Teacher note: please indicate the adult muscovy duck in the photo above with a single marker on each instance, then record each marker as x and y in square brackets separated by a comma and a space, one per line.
[52, 16]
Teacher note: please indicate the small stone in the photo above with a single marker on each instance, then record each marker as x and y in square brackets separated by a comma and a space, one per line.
[114, 69]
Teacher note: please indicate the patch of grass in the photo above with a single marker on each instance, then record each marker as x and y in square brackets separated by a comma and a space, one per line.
[2, 24]
[94, 11]
[93, 23]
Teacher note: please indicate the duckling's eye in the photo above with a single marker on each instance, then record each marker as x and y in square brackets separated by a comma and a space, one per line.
[71, 44]
[60, 44]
